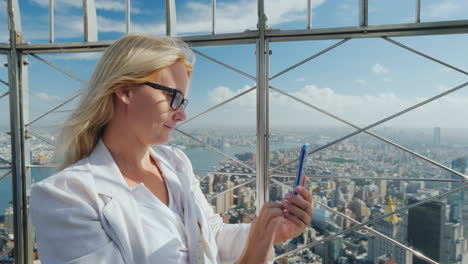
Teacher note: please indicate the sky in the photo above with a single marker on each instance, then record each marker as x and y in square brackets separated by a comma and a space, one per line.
[362, 80]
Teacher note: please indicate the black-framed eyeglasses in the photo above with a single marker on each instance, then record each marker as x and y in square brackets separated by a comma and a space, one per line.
[177, 96]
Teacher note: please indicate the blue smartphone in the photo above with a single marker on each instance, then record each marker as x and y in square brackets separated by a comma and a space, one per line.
[300, 177]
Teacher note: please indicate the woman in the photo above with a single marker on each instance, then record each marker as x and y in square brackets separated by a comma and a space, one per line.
[117, 200]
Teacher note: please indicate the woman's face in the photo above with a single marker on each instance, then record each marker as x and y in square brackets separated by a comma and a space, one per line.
[149, 113]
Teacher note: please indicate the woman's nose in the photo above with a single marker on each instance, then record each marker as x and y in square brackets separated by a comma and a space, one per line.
[180, 115]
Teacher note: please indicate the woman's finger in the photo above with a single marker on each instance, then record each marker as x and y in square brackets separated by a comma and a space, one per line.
[299, 202]
[304, 193]
[304, 216]
[294, 219]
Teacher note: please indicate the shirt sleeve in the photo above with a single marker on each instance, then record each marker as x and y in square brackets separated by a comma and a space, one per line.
[67, 225]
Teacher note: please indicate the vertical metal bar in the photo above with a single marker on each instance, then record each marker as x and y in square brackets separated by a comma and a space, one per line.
[363, 13]
[171, 20]
[127, 17]
[213, 17]
[418, 11]
[309, 14]
[26, 176]
[16, 136]
[262, 110]
[89, 21]
[51, 21]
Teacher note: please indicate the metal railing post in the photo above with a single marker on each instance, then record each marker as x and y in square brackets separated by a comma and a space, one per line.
[262, 160]
[17, 136]
[171, 21]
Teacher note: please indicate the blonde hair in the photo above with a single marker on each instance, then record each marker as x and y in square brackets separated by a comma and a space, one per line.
[130, 60]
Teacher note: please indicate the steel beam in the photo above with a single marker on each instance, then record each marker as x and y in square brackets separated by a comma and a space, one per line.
[171, 19]
[309, 15]
[89, 21]
[396, 30]
[17, 137]
[127, 16]
[418, 11]
[363, 13]
[213, 17]
[51, 21]
[262, 147]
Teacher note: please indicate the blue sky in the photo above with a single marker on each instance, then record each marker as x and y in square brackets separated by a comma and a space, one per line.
[362, 80]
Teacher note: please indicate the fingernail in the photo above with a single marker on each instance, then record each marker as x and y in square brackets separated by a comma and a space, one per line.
[285, 204]
[299, 188]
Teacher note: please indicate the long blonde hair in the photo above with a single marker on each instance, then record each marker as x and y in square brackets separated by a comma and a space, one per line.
[130, 60]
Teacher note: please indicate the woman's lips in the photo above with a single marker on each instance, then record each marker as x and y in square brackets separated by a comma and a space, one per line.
[169, 127]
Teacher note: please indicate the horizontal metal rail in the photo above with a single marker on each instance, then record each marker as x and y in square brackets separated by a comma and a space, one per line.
[215, 149]
[309, 58]
[374, 135]
[4, 237]
[425, 55]
[312, 177]
[249, 37]
[389, 239]
[230, 189]
[373, 221]
[377, 123]
[395, 30]
[40, 166]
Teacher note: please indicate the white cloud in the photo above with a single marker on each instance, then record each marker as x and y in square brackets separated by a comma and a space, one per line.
[222, 93]
[379, 68]
[448, 111]
[361, 81]
[47, 97]
[445, 9]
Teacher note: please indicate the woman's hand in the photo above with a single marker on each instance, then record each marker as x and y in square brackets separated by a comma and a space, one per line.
[298, 214]
[262, 233]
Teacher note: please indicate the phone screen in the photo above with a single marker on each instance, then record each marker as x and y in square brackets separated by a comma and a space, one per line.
[300, 177]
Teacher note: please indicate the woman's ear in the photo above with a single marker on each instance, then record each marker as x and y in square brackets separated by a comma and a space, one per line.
[122, 94]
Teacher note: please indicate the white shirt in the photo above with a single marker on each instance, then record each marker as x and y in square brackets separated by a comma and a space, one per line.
[87, 213]
[150, 207]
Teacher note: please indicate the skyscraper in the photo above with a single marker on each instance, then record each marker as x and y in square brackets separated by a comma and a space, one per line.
[395, 228]
[436, 136]
[424, 229]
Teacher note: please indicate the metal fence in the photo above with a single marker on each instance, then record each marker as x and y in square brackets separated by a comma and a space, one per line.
[19, 52]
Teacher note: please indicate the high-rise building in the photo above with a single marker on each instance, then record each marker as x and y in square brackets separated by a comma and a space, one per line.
[436, 136]
[393, 227]
[424, 229]
[458, 202]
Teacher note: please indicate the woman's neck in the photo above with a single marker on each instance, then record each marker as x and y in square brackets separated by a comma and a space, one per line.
[129, 153]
